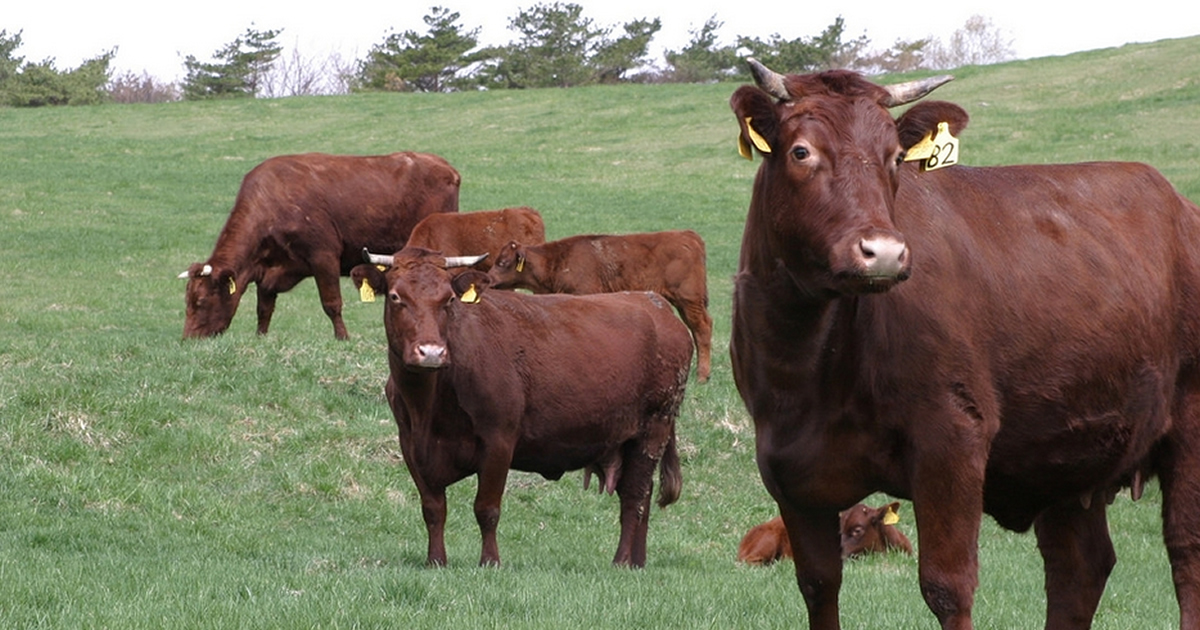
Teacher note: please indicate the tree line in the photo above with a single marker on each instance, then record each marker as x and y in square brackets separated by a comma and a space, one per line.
[556, 46]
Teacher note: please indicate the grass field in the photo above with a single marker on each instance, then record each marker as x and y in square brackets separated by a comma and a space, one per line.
[255, 482]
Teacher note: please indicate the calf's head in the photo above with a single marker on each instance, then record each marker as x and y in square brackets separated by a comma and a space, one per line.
[211, 299]
[511, 267]
[867, 530]
[825, 193]
[422, 296]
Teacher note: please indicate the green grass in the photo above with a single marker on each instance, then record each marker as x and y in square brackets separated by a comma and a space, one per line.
[255, 482]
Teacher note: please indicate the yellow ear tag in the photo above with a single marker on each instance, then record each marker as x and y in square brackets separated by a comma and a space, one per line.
[937, 151]
[891, 518]
[759, 141]
[744, 148]
[232, 287]
[470, 296]
[520, 264]
[366, 293]
[381, 267]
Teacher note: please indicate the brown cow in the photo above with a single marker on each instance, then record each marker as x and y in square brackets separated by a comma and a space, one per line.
[864, 530]
[311, 215]
[1020, 340]
[486, 381]
[469, 233]
[671, 264]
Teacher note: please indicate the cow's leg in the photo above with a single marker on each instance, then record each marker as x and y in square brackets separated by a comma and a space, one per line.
[948, 503]
[1179, 477]
[433, 510]
[493, 474]
[330, 289]
[634, 489]
[817, 552]
[1079, 556]
[697, 319]
[265, 308]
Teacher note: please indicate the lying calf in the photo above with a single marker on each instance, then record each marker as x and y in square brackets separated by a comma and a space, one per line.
[864, 530]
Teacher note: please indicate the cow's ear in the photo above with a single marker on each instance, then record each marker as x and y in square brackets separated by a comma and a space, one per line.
[470, 285]
[757, 119]
[225, 281]
[369, 280]
[890, 513]
[922, 119]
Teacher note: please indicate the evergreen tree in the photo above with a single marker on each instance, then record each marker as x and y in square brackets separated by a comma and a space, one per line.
[238, 70]
[411, 62]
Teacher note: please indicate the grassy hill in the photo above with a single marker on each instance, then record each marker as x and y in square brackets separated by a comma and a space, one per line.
[255, 482]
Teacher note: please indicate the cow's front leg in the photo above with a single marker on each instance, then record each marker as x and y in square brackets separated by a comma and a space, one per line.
[330, 289]
[948, 503]
[1078, 555]
[265, 308]
[817, 552]
[433, 510]
[493, 474]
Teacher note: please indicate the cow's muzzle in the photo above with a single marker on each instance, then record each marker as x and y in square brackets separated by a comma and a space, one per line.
[430, 356]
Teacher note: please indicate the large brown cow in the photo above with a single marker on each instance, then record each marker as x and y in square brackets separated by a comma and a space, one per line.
[484, 381]
[670, 263]
[469, 233]
[1021, 341]
[311, 215]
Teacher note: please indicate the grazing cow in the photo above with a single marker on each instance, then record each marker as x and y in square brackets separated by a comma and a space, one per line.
[1018, 340]
[486, 381]
[671, 264]
[311, 215]
[864, 530]
[468, 233]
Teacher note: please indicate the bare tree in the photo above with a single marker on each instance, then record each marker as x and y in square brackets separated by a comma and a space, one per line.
[132, 88]
[298, 75]
[978, 42]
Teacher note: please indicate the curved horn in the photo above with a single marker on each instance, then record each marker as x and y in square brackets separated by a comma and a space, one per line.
[903, 93]
[182, 276]
[377, 259]
[463, 261]
[770, 81]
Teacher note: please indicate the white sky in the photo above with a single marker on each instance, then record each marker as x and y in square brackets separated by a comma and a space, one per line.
[154, 36]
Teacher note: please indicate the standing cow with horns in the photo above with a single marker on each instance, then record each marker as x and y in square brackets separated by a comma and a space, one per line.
[1020, 340]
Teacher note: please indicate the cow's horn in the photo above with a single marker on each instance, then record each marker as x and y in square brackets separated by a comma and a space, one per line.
[182, 275]
[770, 81]
[902, 93]
[378, 259]
[463, 261]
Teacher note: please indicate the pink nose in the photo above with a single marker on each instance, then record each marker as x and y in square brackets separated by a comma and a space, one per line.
[431, 355]
[883, 256]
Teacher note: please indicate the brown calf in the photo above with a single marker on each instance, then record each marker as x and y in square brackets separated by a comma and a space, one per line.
[864, 530]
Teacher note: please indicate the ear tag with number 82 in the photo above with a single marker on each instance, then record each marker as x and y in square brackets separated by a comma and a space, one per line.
[935, 152]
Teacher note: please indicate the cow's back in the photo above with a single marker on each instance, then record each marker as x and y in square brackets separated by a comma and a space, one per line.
[670, 262]
[348, 202]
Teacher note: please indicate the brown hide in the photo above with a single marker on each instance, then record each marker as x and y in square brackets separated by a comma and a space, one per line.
[478, 232]
[1019, 340]
[311, 215]
[545, 384]
[672, 264]
[862, 528]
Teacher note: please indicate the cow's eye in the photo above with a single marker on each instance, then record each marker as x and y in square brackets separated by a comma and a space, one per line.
[800, 152]
[900, 157]
[394, 298]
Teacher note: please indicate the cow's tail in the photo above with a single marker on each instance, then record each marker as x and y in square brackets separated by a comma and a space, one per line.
[670, 476]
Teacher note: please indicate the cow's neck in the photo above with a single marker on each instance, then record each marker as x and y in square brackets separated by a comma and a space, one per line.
[239, 248]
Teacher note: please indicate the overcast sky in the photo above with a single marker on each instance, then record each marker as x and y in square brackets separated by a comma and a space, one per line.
[154, 36]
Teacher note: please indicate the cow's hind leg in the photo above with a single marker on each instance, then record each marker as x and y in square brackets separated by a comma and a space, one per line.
[697, 319]
[1179, 477]
[1078, 556]
[634, 489]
